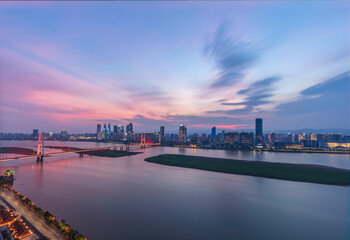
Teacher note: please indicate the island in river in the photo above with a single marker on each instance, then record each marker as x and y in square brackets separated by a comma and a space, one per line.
[277, 170]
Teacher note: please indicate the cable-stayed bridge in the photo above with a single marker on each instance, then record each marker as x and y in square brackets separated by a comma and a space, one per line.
[39, 155]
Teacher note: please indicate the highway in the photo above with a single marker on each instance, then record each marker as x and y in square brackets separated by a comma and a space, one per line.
[12, 203]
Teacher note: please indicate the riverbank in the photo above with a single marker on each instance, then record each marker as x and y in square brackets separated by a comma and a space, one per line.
[284, 171]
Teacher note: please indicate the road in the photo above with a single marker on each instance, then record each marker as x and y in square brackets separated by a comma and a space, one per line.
[22, 210]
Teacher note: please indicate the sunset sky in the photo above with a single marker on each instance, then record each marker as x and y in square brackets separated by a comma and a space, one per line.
[71, 65]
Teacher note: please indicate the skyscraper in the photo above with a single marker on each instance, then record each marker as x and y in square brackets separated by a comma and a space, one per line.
[109, 129]
[129, 129]
[98, 132]
[161, 133]
[213, 132]
[259, 139]
[182, 134]
[115, 132]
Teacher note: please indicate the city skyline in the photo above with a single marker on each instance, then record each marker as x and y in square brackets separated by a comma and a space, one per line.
[201, 65]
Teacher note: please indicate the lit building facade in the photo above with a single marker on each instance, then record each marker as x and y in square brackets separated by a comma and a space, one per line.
[182, 134]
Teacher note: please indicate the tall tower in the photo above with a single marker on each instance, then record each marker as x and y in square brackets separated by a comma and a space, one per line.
[213, 132]
[259, 138]
[182, 134]
[161, 133]
[129, 129]
[40, 151]
[98, 133]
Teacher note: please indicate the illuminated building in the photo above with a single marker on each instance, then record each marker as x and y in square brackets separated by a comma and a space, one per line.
[246, 139]
[182, 134]
[294, 146]
[11, 227]
[98, 133]
[7, 217]
[19, 230]
[259, 139]
[109, 129]
[313, 136]
[334, 145]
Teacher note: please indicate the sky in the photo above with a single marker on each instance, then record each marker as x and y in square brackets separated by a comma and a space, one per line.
[71, 65]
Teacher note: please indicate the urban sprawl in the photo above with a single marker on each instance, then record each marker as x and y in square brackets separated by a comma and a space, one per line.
[213, 140]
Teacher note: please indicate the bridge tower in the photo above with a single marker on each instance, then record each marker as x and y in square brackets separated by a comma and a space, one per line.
[40, 151]
[143, 140]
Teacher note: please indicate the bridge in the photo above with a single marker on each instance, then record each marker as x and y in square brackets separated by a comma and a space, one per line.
[40, 151]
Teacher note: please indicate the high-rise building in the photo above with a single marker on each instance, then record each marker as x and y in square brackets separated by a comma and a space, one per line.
[182, 134]
[161, 134]
[129, 129]
[98, 132]
[213, 132]
[109, 129]
[259, 139]
[121, 132]
[35, 133]
[105, 127]
[64, 135]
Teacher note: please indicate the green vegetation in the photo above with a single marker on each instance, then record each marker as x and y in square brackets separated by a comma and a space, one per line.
[17, 150]
[286, 171]
[99, 153]
[111, 153]
[62, 226]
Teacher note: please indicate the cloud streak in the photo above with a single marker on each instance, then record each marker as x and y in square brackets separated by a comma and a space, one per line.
[257, 94]
[231, 57]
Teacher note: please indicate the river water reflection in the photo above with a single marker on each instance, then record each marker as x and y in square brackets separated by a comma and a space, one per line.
[128, 198]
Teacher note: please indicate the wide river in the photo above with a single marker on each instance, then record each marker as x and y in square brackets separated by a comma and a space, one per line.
[128, 198]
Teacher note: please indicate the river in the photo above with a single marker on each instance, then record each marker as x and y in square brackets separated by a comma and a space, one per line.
[128, 198]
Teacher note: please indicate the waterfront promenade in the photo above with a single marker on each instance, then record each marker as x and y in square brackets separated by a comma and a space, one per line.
[41, 228]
